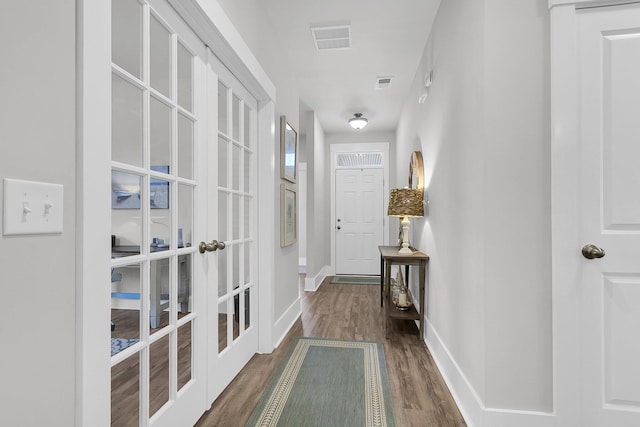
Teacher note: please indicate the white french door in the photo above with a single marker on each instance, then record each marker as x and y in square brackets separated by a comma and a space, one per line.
[609, 292]
[359, 204]
[158, 362]
[232, 203]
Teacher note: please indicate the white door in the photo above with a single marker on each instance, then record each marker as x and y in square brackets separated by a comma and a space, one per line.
[232, 207]
[158, 120]
[359, 220]
[609, 61]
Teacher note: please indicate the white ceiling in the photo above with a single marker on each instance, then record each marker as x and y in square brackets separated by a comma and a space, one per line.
[388, 39]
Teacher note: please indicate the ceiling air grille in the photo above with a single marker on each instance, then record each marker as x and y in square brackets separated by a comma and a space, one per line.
[383, 82]
[359, 160]
[332, 37]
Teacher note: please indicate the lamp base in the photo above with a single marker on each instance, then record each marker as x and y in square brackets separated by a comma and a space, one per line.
[405, 251]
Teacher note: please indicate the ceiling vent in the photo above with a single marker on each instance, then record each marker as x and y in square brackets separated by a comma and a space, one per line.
[332, 37]
[383, 82]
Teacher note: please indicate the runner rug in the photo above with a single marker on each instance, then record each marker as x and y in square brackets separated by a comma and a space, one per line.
[355, 280]
[328, 383]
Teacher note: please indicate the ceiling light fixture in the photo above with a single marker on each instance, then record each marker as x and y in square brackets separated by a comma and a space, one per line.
[357, 121]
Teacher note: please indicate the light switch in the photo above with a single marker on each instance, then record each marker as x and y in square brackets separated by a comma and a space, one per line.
[32, 207]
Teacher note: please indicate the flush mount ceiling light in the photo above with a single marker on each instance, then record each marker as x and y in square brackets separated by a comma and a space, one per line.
[357, 121]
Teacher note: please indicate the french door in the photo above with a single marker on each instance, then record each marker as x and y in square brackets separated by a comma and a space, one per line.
[158, 304]
[232, 267]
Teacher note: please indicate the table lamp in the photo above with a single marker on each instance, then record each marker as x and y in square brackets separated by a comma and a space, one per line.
[405, 203]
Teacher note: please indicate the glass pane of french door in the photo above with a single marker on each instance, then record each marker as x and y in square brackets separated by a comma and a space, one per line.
[236, 201]
[155, 123]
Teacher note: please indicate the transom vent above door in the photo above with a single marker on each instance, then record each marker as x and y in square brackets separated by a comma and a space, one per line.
[359, 160]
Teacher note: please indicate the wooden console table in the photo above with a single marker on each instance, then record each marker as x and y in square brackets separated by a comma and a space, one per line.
[389, 256]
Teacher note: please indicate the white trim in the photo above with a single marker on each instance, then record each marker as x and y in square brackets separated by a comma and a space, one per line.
[471, 407]
[382, 147]
[93, 212]
[311, 284]
[581, 4]
[284, 324]
[209, 21]
[565, 208]
[266, 235]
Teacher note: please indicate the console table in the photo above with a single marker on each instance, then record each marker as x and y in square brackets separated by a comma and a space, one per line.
[389, 256]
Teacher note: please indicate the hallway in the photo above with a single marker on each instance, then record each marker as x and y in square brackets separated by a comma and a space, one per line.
[352, 312]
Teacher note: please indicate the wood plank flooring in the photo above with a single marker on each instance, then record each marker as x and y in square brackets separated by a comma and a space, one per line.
[420, 396]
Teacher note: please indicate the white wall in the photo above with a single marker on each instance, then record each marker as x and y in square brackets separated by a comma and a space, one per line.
[37, 142]
[484, 135]
[318, 253]
[249, 19]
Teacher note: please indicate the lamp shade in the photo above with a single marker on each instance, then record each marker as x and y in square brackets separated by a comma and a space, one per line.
[405, 202]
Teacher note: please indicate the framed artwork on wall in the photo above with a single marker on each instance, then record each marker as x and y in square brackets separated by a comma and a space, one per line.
[288, 215]
[288, 150]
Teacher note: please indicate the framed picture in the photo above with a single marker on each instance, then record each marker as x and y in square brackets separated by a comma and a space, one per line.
[288, 150]
[288, 215]
[125, 190]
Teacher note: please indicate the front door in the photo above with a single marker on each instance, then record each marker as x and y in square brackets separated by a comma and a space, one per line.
[359, 220]
[157, 294]
[609, 292]
[232, 206]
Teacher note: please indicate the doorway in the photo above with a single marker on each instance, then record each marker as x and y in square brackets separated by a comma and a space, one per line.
[184, 159]
[359, 185]
[596, 213]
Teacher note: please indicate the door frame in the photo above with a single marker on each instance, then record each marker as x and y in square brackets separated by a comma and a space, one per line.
[93, 166]
[565, 205]
[334, 149]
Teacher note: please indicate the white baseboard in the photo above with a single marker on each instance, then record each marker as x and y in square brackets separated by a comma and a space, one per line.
[468, 401]
[286, 321]
[313, 283]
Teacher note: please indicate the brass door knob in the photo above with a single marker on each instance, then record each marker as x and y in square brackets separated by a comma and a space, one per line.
[211, 247]
[592, 251]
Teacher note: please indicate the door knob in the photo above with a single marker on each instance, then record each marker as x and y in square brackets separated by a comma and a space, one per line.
[211, 247]
[592, 251]
[338, 227]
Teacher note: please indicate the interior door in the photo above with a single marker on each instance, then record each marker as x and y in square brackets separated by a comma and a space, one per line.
[232, 164]
[610, 148]
[157, 297]
[359, 220]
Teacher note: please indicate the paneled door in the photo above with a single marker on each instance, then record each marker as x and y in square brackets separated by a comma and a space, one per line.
[359, 220]
[158, 363]
[609, 292]
[232, 262]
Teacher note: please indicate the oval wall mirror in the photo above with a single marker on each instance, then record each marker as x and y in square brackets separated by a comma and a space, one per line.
[416, 171]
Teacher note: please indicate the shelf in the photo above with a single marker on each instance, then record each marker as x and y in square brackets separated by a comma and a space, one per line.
[411, 314]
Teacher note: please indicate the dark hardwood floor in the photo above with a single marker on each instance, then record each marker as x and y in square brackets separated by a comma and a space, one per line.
[420, 396]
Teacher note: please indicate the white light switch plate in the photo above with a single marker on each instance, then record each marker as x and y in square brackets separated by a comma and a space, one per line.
[32, 207]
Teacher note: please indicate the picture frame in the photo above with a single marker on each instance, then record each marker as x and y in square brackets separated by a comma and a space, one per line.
[288, 151]
[288, 215]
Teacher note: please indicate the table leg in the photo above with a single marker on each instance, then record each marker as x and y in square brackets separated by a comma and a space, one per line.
[422, 300]
[382, 276]
[387, 276]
